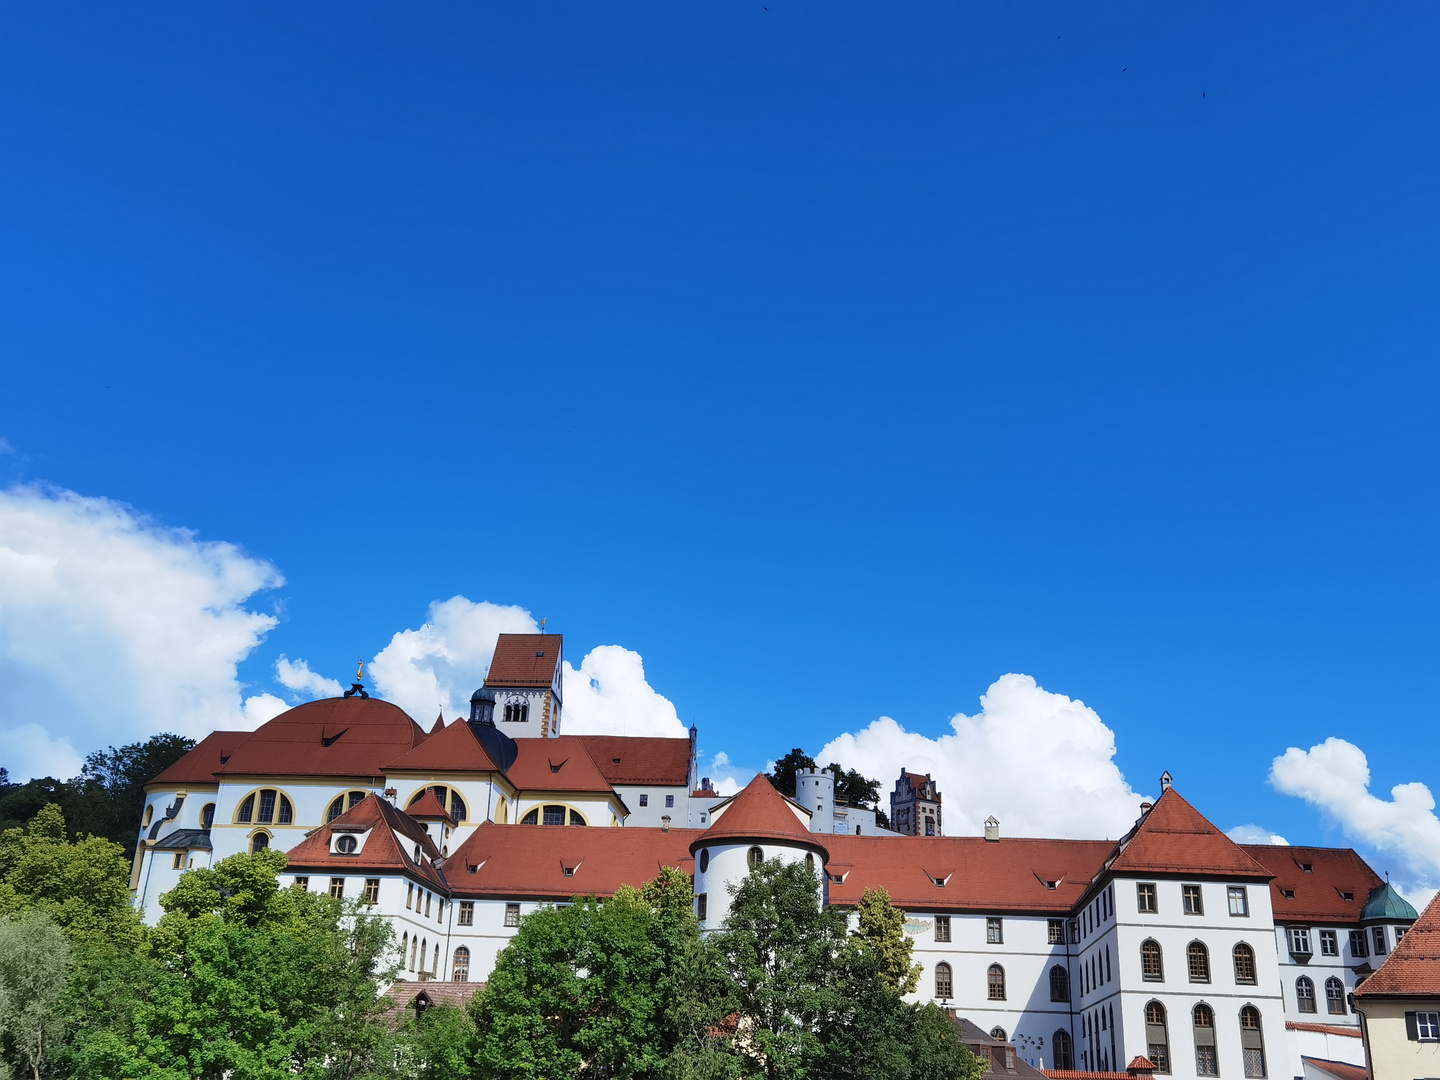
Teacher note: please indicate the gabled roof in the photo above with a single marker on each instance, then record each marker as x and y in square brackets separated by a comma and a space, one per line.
[558, 764]
[452, 749]
[525, 660]
[639, 759]
[1385, 903]
[1319, 893]
[381, 850]
[331, 737]
[1175, 838]
[1012, 875]
[759, 812]
[428, 808]
[531, 860]
[200, 762]
[1413, 968]
[1341, 1070]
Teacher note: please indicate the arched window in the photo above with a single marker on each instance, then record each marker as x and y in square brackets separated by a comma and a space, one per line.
[1059, 985]
[1157, 1037]
[414, 946]
[552, 815]
[246, 813]
[754, 856]
[995, 982]
[1197, 958]
[460, 970]
[704, 859]
[944, 981]
[404, 946]
[448, 797]
[998, 1034]
[343, 802]
[517, 712]
[532, 818]
[259, 842]
[149, 816]
[1335, 997]
[502, 811]
[1252, 1042]
[1304, 994]
[1206, 1063]
[810, 862]
[267, 807]
[1152, 966]
[424, 948]
[1062, 1050]
[576, 818]
[1244, 964]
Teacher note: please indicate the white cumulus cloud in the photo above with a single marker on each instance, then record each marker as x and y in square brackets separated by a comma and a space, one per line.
[1255, 834]
[608, 695]
[296, 675]
[114, 627]
[1334, 777]
[1040, 762]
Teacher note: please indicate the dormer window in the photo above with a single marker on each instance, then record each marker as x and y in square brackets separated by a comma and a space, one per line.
[1348, 897]
[1289, 894]
[347, 844]
[1309, 868]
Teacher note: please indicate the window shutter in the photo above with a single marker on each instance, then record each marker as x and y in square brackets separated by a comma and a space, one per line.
[1204, 1036]
[1250, 1038]
[1412, 1032]
[1155, 1034]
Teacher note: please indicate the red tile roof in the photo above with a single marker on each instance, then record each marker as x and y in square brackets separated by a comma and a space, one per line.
[200, 762]
[1140, 1063]
[1413, 968]
[1010, 875]
[1324, 1029]
[428, 808]
[364, 735]
[403, 993]
[638, 759]
[558, 764]
[1341, 1070]
[381, 850]
[1320, 892]
[525, 660]
[759, 812]
[530, 860]
[453, 749]
[1175, 838]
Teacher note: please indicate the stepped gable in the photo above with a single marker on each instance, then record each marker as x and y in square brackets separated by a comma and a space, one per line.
[638, 759]
[525, 660]
[354, 736]
[381, 850]
[1413, 968]
[558, 764]
[1175, 838]
[451, 749]
[531, 861]
[759, 812]
[1319, 894]
[1013, 875]
[200, 761]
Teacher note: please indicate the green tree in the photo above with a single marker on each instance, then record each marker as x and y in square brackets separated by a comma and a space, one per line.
[109, 793]
[787, 768]
[35, 959]
[882, 932]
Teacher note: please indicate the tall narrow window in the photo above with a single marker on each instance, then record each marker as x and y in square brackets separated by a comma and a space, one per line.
[995, 982]
[1055, 930]
[267, 807]
[1252, 1042]
[1239, 901]
[467, 913]
[178, 861]
[1193, 904]
[424, 951]
[702, 907]
[1304, 995]
[1152, 967]
[207, 816]
[1157, 1037]
[1379, 934]
[512, 914]
[754, 856]
[942, 927]
[1329, 943]
[1359, 945]
[1206, 1063]
[409, 894]
[414, 947]
[944, 983]
[1335, 997]
[337, 887]
[287, 812]
[1244, 964]
[372, 890]
[1146, 901]
[1059, 984]
[404, 946]
[460, 970]
[1198, 959]
[1062, 1050]
[994, 931]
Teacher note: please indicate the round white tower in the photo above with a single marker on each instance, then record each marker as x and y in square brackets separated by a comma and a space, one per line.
[815, 791]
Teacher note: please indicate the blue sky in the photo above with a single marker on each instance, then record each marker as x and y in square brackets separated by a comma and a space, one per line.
[836, 359]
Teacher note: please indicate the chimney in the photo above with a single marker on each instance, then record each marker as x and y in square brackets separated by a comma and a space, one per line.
[992, 830]
[1145, 808]
[665, 823]
[391, 793]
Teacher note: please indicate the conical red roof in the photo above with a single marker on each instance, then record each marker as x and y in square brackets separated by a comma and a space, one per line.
[1176, 838]
[758, 812]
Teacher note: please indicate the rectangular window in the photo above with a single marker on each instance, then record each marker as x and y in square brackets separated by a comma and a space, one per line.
[644, 800]
[303, 884]
[1056, 928]
[1299, 940]
[372, 890]
[1146, 901]
[1239, 900]
[1329, 943]
[1359, 944]
[1193, 904]
[994, 931]
[439, 909]
[179, 860]
[409, 894]
[669, 800]
[1427, 1026]
[512, 914]
[1074, 925]
[929, 827]
[942, 927]
[1399, 932]
[702, 904]
[337, 887]
[467, 913]
[267, 807]
[1379, 933]
[427, 904]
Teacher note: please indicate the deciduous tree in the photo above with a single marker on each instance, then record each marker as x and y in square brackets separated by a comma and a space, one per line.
[35, 959]
[882, 932]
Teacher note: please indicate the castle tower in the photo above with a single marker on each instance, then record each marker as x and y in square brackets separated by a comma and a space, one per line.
[915, 805]
[525, 685]
[815, 791]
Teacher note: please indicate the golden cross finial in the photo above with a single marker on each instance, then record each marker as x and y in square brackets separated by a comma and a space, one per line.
[359, 670]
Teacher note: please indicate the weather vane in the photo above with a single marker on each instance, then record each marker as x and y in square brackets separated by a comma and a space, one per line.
[359, 670]
[542, 624]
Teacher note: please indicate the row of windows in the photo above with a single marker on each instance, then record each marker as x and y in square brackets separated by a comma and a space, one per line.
[420, 956]
[1192, 900]
[413, 899]
[645, 800]
[1197, 962]
[552, 815]
[995, 930]
[994, 981]
[1298, 938]
[1202, 1019]
[1334, 996]
[370, 893]
[267, 807]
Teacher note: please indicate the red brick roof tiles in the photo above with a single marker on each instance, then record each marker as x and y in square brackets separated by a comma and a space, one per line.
[452, 749]
[558, 764]
[381, 850]
[1324, 1029]
[428, 808]
[1341, 1070]
[363, 735]
[1413, 968]
[1175, 838]
[200, 762]
[636, 759]
[1320, 892]
[525, 660]
[759, 812]
[531, 860]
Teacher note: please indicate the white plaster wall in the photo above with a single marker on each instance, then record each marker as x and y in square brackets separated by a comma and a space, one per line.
[1318, 969]
[729, 864]
[649, 816]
